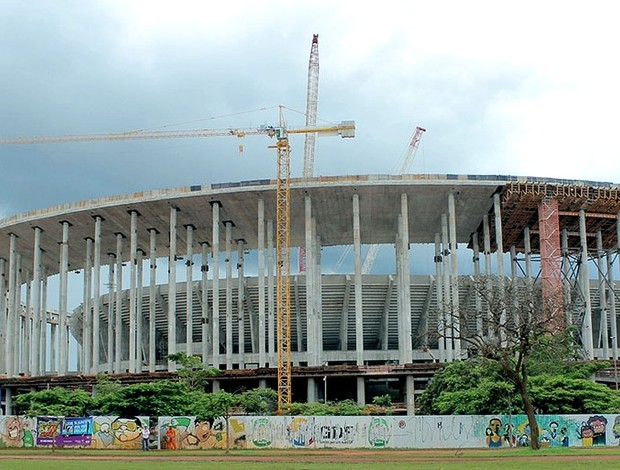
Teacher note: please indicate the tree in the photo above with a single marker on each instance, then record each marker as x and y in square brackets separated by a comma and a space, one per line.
[57, 401]
[514, 321]
[160, 398]
[558, 394]
[470, 387]
[209, 406]
[193, 371]
[259, 401]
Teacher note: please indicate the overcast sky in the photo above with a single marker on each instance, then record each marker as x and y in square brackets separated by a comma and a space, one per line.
[519, 88]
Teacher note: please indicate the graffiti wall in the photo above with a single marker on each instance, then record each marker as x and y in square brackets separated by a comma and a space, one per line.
[279, 432]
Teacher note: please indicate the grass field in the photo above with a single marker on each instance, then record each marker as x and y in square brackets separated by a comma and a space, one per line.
[605, 458]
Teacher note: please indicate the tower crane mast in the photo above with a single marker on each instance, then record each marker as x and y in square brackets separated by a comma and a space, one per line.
[312, 103]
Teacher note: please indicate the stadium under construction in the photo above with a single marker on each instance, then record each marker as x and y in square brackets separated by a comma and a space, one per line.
[115, 285]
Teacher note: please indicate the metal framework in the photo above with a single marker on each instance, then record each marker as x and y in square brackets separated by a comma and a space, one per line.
[283, 297]
[551, 261]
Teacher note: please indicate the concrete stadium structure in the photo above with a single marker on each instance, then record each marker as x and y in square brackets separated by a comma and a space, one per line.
[356, 330]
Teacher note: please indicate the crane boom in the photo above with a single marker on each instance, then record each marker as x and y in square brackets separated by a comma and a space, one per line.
[345, 129]
[411, 149]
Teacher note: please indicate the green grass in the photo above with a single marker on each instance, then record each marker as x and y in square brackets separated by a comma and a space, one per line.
[602, 458]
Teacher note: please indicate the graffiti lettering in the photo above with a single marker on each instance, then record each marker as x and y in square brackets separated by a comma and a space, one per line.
[336, 434]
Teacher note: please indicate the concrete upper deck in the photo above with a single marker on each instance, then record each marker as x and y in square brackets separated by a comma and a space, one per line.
[331, 197]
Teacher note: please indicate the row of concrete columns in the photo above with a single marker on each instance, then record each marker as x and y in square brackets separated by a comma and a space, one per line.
[28, 338]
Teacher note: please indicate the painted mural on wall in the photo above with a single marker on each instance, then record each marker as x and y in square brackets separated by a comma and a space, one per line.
[64, 432]
[281, 432]
[17, 431]
[115, 432]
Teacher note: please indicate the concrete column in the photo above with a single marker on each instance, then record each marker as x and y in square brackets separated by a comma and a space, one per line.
[476, 246]
[36, 301]
[359, 314]
[500, 259]
[311, 384]
[229, 299]
[586, 327]
[207, 331]
[111, 322]
[54, 347]
[318, 297]
[133, 302]
[3, 317]
[172, 290]
[487, 263]
[311, 327]
[216, 283]
[189, 291]
[118, 305]
[602, 291]
[62, 304]
[44, 342]
[441, 340]
[241, 303]
[486, 230]
[344, 320]
[406, 283]
[87, 332]
[410, 395]
[17, 355]
[96, 295]
[513, 262]
[456, 326]
[140, 336]
[513, 277]
[612, 307]
[8, 401]
[27, 326]
[498, 234]
[612, 291]
[448, 307]
[152, 297]
[271, 317]
[262, 347]
[361, 391]
[398, 245]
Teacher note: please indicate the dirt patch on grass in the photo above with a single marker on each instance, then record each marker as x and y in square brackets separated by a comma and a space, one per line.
[314, 456]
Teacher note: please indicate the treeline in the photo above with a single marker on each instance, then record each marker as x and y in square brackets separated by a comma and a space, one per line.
[186, 397]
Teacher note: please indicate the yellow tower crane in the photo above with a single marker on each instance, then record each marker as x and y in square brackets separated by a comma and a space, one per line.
[345, 129]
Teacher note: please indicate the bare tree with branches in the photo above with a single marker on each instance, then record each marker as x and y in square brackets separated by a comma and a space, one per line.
[509, 320]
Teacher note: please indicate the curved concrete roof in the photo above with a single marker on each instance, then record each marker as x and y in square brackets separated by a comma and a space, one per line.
[331, 205]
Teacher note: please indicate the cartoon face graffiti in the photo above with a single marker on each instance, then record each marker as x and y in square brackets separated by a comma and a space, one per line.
[206, 436]
[126, 429]
[494, 439]
[586, 433]
[15, 431]
[599, 426]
